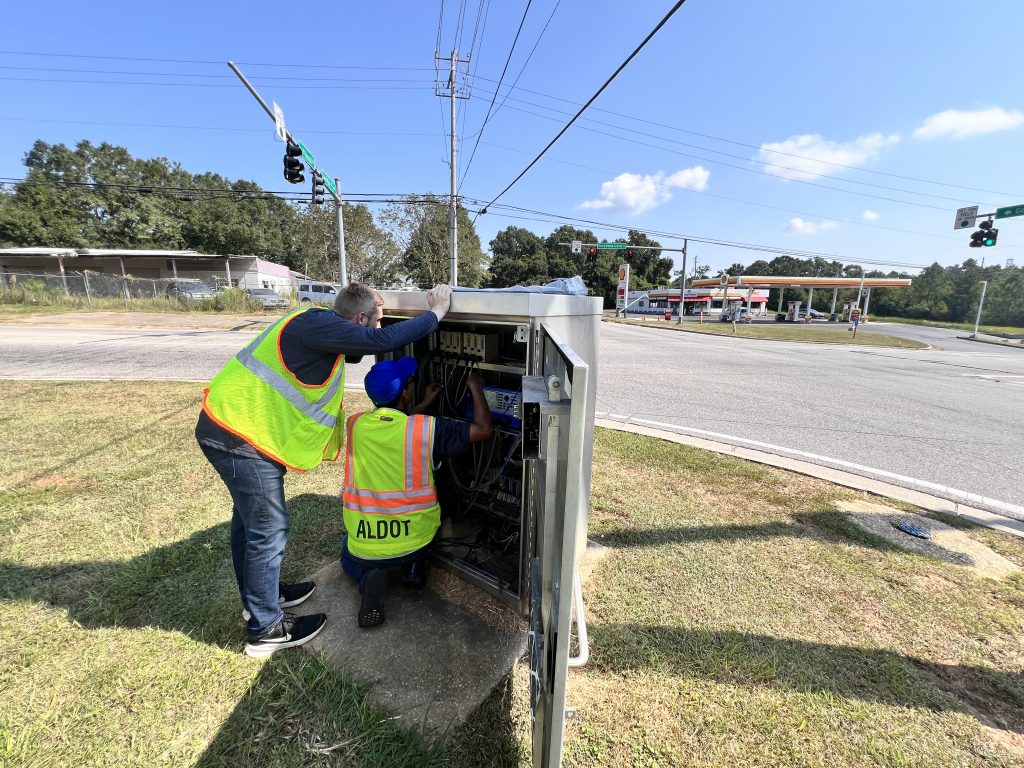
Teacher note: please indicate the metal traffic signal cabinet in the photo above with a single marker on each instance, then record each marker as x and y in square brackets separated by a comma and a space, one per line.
[515, 508]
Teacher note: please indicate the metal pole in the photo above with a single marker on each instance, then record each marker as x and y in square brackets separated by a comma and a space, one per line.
[682, 285]
[835, 295]
[867, 302]
[453, 212]
[88, 294]
[124, 283]
[252, 90]
[981, 303]
[342, 266]
[174, 268]
[227, 270]
[810, 299]
[860, 291]
[63, 277]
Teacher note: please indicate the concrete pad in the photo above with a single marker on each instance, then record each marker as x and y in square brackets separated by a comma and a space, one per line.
[946, 542]
[437, 656]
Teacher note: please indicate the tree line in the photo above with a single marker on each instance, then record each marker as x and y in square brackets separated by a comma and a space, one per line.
[100, 196]
[936, 293]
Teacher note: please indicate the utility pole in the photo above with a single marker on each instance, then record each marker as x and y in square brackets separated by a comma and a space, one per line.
[453, 203]
[981, 303]
[682, 285]
[453, 212]
[342, 267]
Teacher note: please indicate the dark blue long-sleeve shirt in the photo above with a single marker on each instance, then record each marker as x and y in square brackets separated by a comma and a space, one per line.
[310, 345]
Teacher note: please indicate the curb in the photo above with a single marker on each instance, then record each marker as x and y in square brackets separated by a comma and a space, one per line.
[991, 513]
[1004, 344]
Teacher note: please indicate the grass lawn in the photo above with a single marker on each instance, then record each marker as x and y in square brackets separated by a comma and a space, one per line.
[738, 620]
[993, 329]
[781, 332]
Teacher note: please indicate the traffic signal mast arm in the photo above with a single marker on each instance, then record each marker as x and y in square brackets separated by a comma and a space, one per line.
[291, 141]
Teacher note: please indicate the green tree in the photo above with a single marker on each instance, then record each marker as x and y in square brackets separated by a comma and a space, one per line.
[420, 226]
[518, 257]
[371, 255]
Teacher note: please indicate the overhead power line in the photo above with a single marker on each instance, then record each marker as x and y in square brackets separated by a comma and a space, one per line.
[637, 119]
[700, 239]
[591, 100]
[490, 106]
[705, 193]
[427, 84]
[218, 62]
[741, 168]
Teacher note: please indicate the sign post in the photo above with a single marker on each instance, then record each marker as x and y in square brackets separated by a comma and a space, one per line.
[623, 289]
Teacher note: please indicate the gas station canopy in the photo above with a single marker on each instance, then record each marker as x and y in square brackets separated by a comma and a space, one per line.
[783, 281]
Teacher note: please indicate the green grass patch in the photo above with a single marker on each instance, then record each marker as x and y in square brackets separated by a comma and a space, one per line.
[738, 619]
[992, 329]
[781, 332]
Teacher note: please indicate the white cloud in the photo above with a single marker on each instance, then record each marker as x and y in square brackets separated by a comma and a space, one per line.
[820, 157]
[956, 124]
[870, 215]
[800, 227]
[634, 193]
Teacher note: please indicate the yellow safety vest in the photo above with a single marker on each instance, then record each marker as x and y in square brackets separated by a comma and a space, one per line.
[389, 502]
[256, 397]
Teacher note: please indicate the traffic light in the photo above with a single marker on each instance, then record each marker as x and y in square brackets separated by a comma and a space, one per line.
[977, 238]
[989, 235]
[629, 253]
[318, 188]
[293, 166]
[592, 252]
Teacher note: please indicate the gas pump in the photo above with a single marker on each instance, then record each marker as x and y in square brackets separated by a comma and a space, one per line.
[793, 311]
[848, 306]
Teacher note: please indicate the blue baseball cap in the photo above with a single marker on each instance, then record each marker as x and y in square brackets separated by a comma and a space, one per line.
[386, 379]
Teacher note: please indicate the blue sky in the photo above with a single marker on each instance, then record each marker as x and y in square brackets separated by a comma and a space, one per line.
[718, 127]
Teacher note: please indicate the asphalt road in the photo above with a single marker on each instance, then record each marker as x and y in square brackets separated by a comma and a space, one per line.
[953, 416]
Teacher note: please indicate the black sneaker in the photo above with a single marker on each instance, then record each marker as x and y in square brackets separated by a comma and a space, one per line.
[290, 632]
[290, 595]
[371, 609]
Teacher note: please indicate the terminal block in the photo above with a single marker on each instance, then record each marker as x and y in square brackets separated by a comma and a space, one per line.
[482, 346]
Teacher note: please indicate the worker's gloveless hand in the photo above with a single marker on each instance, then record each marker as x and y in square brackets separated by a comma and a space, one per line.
[474, 380]
[439, 299]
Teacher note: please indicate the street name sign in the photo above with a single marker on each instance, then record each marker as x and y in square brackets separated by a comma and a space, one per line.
[308, 156]
[965, 217]
[612, 246]
[329, 183]
[1010, 210]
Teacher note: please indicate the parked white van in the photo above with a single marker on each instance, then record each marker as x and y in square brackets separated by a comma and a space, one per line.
[322, 294]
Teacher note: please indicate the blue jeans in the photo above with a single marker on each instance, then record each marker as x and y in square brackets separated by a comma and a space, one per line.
[259, 532]
[357, 568]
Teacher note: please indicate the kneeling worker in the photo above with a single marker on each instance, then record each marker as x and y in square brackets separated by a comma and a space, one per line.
[389, 501]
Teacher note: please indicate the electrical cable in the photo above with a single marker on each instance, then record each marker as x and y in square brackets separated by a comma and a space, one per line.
[591, 100]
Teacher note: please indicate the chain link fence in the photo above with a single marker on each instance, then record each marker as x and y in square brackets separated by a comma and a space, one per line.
[100, 290]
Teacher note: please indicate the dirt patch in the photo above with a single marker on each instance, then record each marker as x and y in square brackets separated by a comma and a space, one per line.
[454, 590]
[986, 698]
[61, 483]
[946, 543]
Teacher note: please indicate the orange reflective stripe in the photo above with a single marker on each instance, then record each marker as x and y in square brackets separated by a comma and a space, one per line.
[353, 501]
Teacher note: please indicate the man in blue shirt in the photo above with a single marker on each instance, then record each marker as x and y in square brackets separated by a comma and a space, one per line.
[310, 346]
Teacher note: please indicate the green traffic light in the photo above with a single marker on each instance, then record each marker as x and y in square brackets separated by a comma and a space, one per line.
[989, 241]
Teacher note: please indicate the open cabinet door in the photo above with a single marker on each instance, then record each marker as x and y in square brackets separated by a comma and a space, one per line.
[560, 507]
